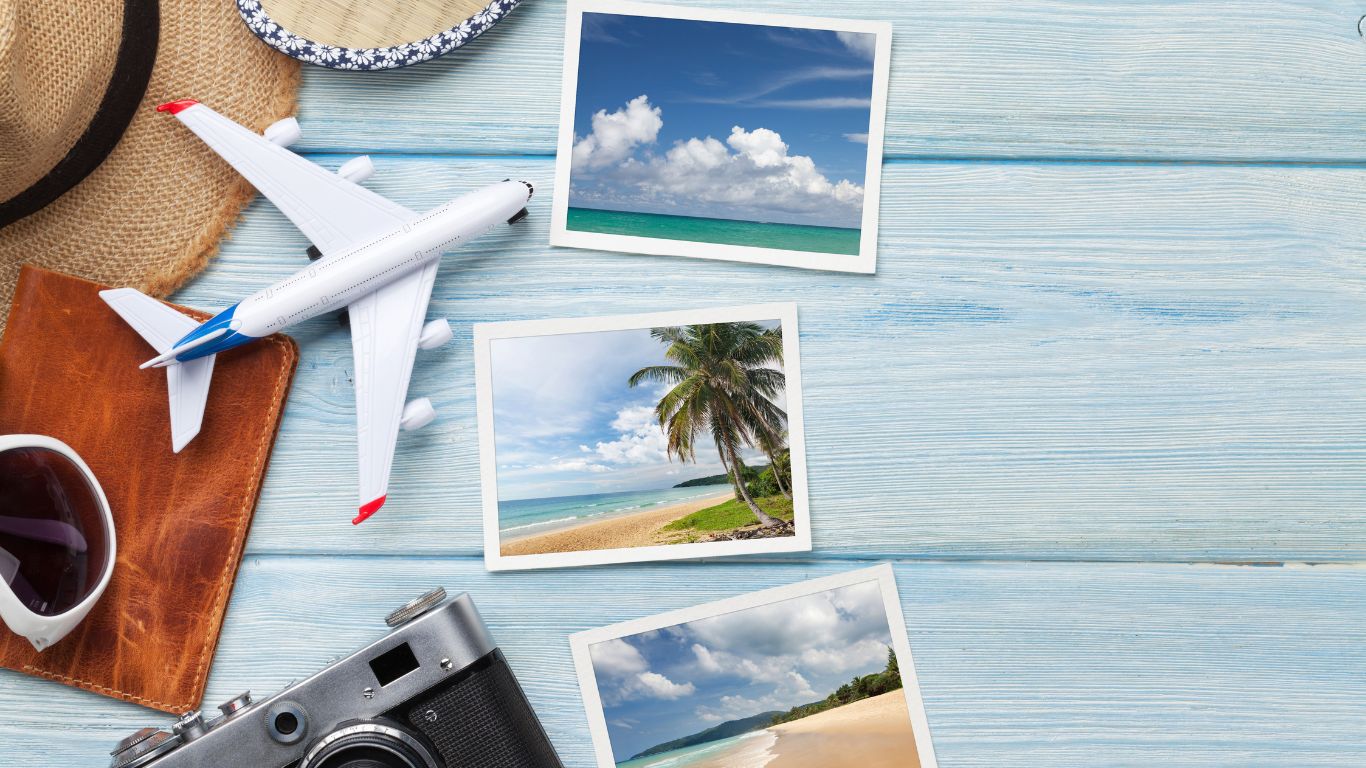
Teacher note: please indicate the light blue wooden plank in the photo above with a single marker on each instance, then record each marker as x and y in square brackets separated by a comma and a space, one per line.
[996, 78]
[1054, 361]
[1028, 665]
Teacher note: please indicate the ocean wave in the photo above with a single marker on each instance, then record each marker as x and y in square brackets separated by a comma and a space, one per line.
[540, 523]
[750, 750]
[755, 752]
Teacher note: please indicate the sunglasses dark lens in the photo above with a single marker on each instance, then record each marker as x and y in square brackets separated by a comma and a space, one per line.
[53, 544]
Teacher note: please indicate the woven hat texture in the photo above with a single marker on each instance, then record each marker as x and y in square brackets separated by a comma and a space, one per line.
[45, 105]
[151, 215]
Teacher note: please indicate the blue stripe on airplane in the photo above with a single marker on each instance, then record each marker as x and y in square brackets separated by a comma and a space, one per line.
[227, 341]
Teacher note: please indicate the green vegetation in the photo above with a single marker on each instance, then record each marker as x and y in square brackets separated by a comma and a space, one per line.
[722, 731]
[731, 514]
[722, 385]
[766, 483]
[857, 689]
[750, 474]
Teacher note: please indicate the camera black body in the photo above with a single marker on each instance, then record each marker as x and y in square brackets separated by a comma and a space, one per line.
[433, 693]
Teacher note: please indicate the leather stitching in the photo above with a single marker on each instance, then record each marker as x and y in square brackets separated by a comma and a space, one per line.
[244, 516]
[89, 686]
[225, 580]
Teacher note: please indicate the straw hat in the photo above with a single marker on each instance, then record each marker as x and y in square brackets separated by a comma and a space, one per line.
[92, 180]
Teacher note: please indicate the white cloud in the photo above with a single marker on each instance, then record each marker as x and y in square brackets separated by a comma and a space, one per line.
[836, 618]
[641, 441]
[752, 174]
[764, 148]
[657, 686]
[616, 136]
[857, 138]
[634, 419]
[861, 43]
[705, 660]
[625, 675]
[785, 80]
[575, 465]
[617, 658]
[826, 102]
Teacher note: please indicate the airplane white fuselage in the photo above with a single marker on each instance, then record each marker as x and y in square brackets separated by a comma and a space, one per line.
[337, 279]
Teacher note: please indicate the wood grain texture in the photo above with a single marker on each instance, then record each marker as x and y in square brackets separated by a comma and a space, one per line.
[1054, 361]
[1022, 665]
[1071, 358]
[1174, 79]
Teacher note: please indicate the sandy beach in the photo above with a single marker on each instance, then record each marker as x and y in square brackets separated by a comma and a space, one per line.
[873, 733]
[640, 529]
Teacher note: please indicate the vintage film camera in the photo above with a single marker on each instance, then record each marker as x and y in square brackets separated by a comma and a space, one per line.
[434, 693]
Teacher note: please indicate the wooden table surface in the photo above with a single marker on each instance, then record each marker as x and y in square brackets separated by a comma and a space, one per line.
[1103, 404]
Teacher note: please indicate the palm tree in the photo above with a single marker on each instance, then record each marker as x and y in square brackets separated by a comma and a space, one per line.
[772, 448]
[721, 384]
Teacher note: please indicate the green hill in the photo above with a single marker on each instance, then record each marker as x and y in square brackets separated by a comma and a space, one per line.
[723, 731]
[750, 474]
[859, 688]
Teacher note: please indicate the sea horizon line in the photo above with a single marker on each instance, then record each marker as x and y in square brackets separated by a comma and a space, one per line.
[712, 218]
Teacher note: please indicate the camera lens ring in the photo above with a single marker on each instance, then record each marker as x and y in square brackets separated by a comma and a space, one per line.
[405, 748]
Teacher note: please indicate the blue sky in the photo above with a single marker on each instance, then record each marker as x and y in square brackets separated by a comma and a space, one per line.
[566, 423]
[665, 684]
[721, 120]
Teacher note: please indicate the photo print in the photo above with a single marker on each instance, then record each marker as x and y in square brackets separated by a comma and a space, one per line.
[812, 675]
[722, 135]
[641, 437]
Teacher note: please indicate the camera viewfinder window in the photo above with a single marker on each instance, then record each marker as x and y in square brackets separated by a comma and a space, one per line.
[393, 664]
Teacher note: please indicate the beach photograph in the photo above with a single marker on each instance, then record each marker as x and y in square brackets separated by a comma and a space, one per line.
[816, 675]
[721, 135]
[642, 437]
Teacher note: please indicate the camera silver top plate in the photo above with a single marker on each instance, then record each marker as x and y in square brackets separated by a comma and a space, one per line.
[442, 638]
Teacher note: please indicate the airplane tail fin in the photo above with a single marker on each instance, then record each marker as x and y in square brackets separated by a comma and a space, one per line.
[187, 383]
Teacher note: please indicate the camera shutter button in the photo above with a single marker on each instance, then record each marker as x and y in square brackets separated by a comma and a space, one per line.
[416, 608]
[236, 704]
[189, 727]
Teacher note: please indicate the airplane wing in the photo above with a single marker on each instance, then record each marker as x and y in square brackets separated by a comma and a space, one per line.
[385, 326]
[333, 213]
[187, 383]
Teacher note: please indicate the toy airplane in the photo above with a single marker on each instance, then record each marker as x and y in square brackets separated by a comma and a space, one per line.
[373, 257]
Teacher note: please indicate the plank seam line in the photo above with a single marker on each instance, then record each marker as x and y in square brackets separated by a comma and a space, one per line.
[1050, 160]
[478, 558]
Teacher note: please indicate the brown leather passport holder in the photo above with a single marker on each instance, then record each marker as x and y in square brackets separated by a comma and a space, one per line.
[69, 369]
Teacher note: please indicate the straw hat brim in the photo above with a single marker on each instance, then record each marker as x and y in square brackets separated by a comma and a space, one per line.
[152, 214]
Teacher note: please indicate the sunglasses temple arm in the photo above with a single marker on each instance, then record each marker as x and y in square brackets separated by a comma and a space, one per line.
[47, 531]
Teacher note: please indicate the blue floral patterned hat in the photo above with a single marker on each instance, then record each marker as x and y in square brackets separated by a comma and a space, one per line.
[370, 34]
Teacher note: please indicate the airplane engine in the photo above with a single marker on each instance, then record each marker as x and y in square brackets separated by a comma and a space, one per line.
[284, 132]
[417, 414]
[357, 169]
[434, 334]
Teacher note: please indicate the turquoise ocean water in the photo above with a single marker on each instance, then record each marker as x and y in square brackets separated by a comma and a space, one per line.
[791, 237]
[748, 750]
[526, 517]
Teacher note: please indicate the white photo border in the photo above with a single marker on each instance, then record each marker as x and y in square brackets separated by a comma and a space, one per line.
[486, 333]
[561, 235]
[581, 642]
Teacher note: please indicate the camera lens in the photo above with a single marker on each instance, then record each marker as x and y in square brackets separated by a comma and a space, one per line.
[369, 745]
[286, 723]
[366, 757]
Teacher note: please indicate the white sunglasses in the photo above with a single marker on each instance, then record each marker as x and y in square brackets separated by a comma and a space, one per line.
[56, 538]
